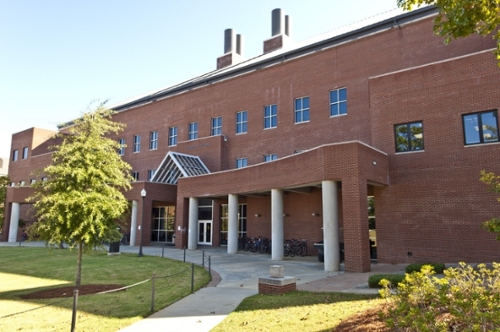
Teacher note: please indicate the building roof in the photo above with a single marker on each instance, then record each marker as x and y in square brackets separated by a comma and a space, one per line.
[363, 28]
[176, 165]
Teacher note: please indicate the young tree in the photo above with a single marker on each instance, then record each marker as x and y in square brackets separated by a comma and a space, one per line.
[81, 199]
[4, 182]
[461, 18]
[493, 182]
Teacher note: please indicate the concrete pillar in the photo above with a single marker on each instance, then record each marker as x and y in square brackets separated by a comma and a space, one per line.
[331, 245]
[14, 221]
[133, 223]
[232, 224]
[277, 228]
[193, 224]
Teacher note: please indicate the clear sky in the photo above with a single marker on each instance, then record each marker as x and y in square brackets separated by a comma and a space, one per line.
[57, 56]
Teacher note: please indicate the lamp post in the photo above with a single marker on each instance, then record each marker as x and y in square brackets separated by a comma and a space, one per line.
[143, 194]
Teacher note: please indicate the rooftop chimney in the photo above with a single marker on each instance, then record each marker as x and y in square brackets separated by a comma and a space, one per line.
[233, 49]
[281, 31]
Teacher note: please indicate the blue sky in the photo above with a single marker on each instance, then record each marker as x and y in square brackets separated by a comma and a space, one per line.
[56, 56]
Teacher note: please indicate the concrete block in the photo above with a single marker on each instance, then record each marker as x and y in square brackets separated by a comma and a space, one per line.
[277, 271]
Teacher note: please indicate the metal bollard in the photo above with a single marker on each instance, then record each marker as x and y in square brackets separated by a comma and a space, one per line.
[153, 292]
[192, 277]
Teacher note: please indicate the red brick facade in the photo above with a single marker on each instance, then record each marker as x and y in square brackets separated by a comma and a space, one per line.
[429, 204]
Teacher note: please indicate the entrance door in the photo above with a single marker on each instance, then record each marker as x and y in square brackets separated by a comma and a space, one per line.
[205, 232]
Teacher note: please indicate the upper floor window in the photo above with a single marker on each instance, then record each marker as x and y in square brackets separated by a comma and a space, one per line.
[172, 136]
[151, 174]
[217, 126]
[270, 116]
[25, 152]
[480, 128]
[302, 109]
[137, 143]
[241, 162]
[15, 155]
[153, 140]
[193, 130]
[270, 157]
[135, 175]
[241, 122]
[121, 150]
[409, 136]
[338, 102]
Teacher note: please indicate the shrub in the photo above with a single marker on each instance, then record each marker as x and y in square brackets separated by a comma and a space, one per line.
[416, 267]
[394, 279]
[464, 300]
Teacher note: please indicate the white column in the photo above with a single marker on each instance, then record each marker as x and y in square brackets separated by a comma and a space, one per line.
[331, 226]
[133, 223]
[277, 229]
[232, 225]
[193, 224]
[14, 221]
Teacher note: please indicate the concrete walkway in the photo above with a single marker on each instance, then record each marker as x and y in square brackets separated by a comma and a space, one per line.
[235, 277]
[239, 276]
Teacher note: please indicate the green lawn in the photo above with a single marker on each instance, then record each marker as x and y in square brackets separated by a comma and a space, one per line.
[296, 311]
[24, 270]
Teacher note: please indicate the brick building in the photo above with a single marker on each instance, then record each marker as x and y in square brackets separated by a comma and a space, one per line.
[294, 142]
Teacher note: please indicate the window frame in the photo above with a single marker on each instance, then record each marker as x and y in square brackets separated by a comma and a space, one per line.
[192, 131]
[151, 174]
[137, 144]
[480, 127]
[15, 155]
[172, 136]
[216, 126]
[242, 122]
[338, 102]
[153, 140]
[121, 150]
[135, 175]
[25, 153]
[301, 109]
[409, 139]
[270, 116]
[270, 157]
[241, 162]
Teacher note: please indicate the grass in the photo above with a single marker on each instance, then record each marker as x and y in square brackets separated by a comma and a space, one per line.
[296, 311]
[24, 270]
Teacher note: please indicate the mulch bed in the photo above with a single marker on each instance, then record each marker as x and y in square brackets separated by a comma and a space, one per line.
[67, 291]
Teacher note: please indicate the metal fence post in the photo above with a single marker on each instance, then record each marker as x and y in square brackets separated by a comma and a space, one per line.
[203, 260]
[163, 250]
[192, 277]
[210, 266]
[75, 304]
[153, 292]
[184, 254]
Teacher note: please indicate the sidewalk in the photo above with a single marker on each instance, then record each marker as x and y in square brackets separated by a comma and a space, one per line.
[239, 275]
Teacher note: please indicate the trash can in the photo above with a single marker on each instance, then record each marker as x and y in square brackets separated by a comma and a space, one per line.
[114, 247]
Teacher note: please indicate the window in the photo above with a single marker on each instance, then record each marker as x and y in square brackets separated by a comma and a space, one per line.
[151, 174]
[409, 137]
[193, 131]
[242, 222]
[121, 150]
[270, 116]
[25, 152]
[241, 162]
[135, 175]
[480, 128]
[137, 143]
[15, 155]
[32, 181]
[172, 136]
[44, 178]
[153, 140]
[241, 122]
[338, 102]
[217, 126]
[270, 157]
[302, 109]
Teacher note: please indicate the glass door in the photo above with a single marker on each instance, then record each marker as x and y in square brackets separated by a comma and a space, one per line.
[205, 221]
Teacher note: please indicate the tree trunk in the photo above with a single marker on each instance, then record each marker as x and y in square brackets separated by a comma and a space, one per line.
[79, 265]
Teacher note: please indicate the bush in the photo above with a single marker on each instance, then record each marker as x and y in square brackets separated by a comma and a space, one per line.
[394, 279]
[466, 299]
[416, 267]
